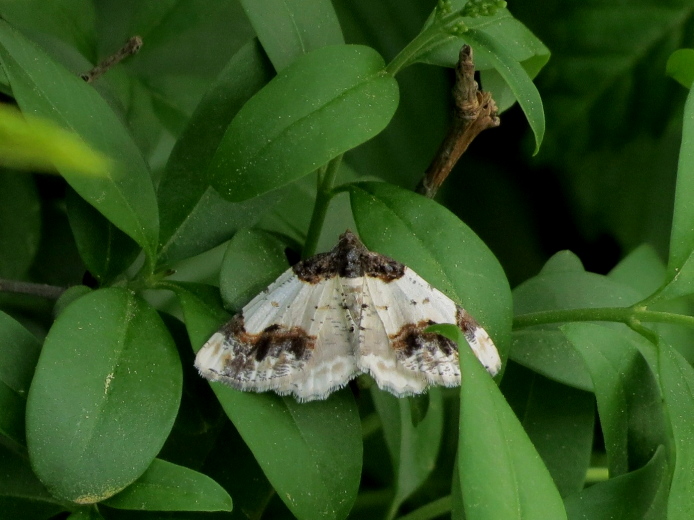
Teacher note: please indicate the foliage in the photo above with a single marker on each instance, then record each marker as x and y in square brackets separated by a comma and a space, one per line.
[245, 135]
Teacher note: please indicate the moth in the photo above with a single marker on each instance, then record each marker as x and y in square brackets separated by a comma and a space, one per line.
[339, 314]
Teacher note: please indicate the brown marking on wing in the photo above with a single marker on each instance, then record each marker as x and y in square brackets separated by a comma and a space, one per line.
[411, 340]
[316, 268]
[466, 323]
[276, 341]
[382, 267]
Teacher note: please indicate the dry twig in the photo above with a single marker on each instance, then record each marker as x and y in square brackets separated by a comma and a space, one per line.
[474, 111]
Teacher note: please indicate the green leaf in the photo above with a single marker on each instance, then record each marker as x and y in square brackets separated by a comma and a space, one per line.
[104, 396]
[501, 473]
[104, 249]
[202, 308]
[20, 224]
[547, 351]
[413, 448]
[642, 270]
[70, 295]
[434, 509]
[677, 382]
[503, 28]
[19, 352]
[681, 261]
[289, 28]
[168, 487]
[457, 505]
[517, 79]
[44, 88]
[21, 494]
[639, 495]
[194, 217]
[253, 260]
[68, 21]
[509, 34]
[559, 421]
[32, 143]
[609, 354]
[563, 262]
[680, 66]
[561, 286]
[322, 105]
[432, 241]
[193, 37]
[310, 452]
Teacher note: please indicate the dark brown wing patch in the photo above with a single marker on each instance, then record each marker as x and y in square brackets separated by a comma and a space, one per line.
[348, 259]
[276, 341]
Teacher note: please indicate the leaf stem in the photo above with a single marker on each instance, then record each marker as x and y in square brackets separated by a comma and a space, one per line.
[413, 49]
[434, 35]
[632, 316]
[324, 194]
[50, 292]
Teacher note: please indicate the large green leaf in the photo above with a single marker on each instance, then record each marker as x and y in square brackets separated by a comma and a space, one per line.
[501, 474]
[311, 453]
[677, 382]
[504, 29]
[44, 88]
[187, 40]
[193, 216]
[19, 351]
[680, 66]
[609, 356]
[558, 419]
[20, 223]
[639, 495]
[681, 262]
[432, 241]
[104, 249]
[104, 396]
[289, 28]
[562, 284]
[517, 79]
[70, 21]
[322, 105]
[168, 487]
[253, 260]
[413, 445]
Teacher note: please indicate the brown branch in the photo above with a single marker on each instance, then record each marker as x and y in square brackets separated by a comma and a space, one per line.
[474, 111]
[50, 292]
[132, 46]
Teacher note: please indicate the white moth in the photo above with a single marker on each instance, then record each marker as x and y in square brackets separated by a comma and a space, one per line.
[339, 314]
